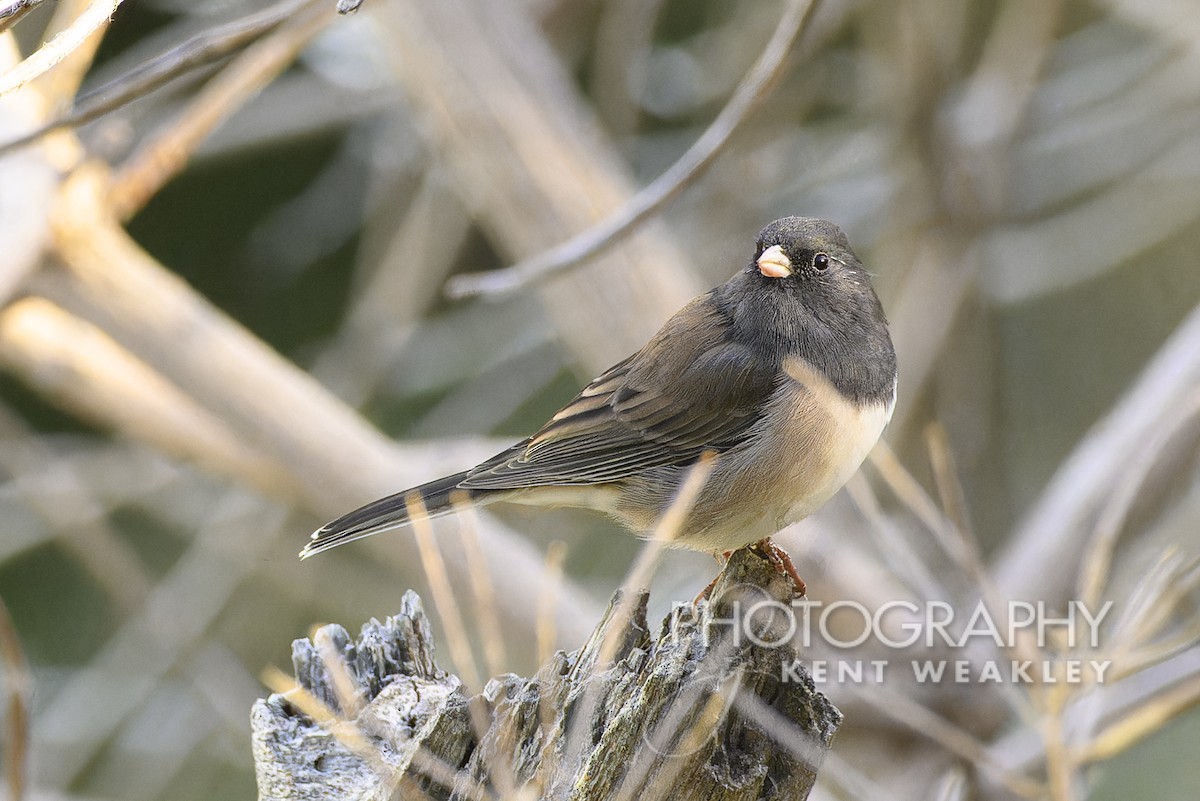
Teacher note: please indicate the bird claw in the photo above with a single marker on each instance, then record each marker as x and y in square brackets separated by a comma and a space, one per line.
[783, 563]
[778, 558]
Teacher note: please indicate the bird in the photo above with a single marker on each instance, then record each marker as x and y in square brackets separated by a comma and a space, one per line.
[784, 377]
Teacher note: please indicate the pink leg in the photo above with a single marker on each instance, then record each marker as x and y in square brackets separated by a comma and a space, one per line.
[783, 563]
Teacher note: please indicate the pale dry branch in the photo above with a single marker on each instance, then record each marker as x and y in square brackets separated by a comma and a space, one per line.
[1099, 551]
[924, 722]
[79, 367]
[27, 183]
[392, 298]
[81, 716]
[75, 517]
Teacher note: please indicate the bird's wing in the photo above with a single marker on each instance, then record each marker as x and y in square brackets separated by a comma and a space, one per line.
[689, 390]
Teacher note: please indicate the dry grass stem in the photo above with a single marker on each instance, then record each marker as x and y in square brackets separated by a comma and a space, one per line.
[950, 489]
[898, 552]
[346, 733]
[556, 554]
[669, 527]
[483, 591]
[1147, 718]
[444, 599]
[348, 699]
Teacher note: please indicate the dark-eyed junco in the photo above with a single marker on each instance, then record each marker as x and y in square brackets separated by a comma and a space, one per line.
[786, 372]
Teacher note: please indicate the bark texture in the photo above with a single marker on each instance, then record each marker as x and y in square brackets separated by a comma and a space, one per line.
[699, 710]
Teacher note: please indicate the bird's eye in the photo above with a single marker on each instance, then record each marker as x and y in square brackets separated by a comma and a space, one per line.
[821, 262]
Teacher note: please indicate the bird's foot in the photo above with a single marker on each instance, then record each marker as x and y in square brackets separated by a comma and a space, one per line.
[783, 563]
[778, 558]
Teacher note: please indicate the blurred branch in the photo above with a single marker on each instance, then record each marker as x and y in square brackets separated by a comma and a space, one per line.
[83, 370]
[1143, 721]
[503, 116]
[210, 46]
[56, 491]
[27, 183]
[969, 182]
[922, 721]
[388, 306]
[160, 159]
[750, 93]
[96, 15]
[1097, 557]
[1058, 527]
[266, 401]
[82, 716]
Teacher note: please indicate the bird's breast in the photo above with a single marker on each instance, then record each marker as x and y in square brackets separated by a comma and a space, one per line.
[810, 442]
[822, 434]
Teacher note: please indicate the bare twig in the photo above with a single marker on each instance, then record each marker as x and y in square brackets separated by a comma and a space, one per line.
[200, 50]
[753, 89]
[94, 16]
[75, 518]
[84, 712]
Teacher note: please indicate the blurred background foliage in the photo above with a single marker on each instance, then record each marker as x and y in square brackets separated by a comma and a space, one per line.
[1022, 176]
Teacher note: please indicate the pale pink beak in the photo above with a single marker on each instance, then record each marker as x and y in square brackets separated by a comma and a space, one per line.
[774, 263]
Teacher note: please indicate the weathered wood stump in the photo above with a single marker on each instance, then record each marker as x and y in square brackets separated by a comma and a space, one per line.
[714, 707]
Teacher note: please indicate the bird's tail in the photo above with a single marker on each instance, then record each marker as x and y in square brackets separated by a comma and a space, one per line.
[387, 513]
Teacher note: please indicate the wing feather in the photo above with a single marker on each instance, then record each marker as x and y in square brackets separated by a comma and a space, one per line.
[690, 389]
